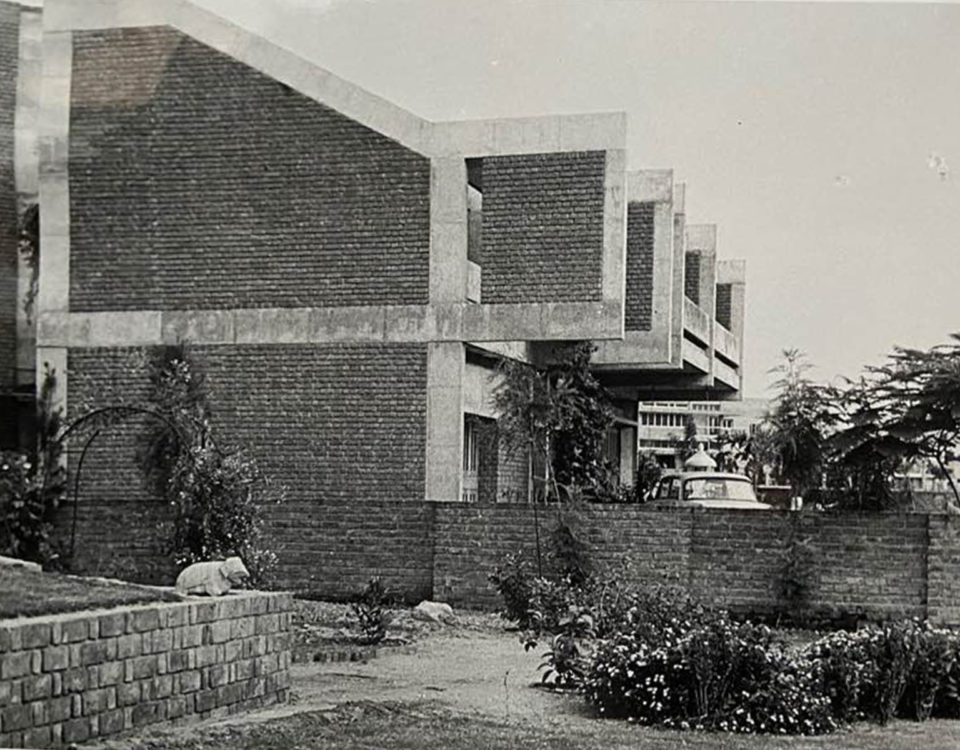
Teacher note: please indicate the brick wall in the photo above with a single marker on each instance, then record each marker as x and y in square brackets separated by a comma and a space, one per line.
[184, 162]
[638, 307]
[691, 276]
[724, 292]
[69, 678]
[331, 550]
[9, 62]
[543, 227]
[332, 423]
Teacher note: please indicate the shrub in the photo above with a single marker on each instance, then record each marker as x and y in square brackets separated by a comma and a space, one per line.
[370, 611]
[218, 497]
[514, 581]
[32, 487]
[716, 675]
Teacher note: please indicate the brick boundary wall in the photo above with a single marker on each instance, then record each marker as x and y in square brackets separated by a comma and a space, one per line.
[875, 566]
[70, 677]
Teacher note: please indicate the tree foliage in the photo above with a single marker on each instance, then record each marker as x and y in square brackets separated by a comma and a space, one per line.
[560, 415]
[905, 409]
[217, 496]
[32, 487]
[798, 426]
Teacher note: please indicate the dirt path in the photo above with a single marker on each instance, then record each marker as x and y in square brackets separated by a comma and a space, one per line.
[483, 673]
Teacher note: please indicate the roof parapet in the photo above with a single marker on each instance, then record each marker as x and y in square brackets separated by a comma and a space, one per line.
[650, 185]
[732, 271]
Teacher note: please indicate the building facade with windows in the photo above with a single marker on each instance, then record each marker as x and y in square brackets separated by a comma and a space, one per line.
[662, 424]
[347, 274]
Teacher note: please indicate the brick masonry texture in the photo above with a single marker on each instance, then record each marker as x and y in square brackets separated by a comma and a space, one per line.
[331, 423]
[638, 308]
[68, 678]
[184, 162]
[877, 566]
[543, 227]
[691, 276]
[9, 63]
[724, 292]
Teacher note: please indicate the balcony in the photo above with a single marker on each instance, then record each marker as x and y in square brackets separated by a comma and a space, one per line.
[695, 321]
[725, 343]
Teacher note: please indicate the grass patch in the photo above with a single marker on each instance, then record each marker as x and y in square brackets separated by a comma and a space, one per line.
[365, 725]
[26, 593]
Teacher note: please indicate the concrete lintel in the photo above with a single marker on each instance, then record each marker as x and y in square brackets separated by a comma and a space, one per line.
[638, 348]
[723, 373]
[529, 135]
[702, 238]
[697, 357]
[104, 14]
[650, 185]
[207, 326]
[731, 272]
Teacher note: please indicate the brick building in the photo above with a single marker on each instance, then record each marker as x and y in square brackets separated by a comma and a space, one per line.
[347, 273]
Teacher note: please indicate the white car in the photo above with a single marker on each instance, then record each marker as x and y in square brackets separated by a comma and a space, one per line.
[705, 489]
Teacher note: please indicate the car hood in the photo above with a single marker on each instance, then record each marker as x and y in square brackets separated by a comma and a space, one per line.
[736, 504]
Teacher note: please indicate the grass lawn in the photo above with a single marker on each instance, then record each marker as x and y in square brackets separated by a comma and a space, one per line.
[27, 593]
[410, 726]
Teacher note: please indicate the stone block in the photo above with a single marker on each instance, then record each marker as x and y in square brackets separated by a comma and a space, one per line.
[37, 687]
[59, 709]
[129, 646]
[128, 693]
[216, 675]
[112, 625]
[16, 717]
[96, 652]
[111, 722]
[143, 620]
[15, 664]
[190, 681]
[73, 631]
[148, 713]
[35, 635]
[38, 737]
[221, 630]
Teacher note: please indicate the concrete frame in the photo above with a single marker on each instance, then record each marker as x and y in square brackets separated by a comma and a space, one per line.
[652, 349]
[26, 160]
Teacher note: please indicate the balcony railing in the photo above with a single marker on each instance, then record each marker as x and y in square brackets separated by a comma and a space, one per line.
[726, 343]
[695, 320]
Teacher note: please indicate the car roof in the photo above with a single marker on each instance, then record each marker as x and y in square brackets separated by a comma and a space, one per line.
[704, 475]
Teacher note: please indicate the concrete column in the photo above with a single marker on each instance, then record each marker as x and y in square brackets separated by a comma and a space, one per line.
[444, 449]
[677, 282]
[702, 238]
[448, 230]
[26, 176]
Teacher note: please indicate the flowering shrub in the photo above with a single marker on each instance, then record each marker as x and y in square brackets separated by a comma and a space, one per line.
[711, 673]
[905, 669]
[714, 675]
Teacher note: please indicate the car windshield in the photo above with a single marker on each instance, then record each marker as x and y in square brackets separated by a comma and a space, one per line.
[718, 488]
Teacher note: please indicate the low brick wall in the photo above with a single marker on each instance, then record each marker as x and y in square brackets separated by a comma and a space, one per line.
[875, 565]
[70, 677]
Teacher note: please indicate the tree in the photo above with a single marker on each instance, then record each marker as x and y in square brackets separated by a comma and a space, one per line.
[905, 409]
[559, 414]
[217, 496]
[797, 428]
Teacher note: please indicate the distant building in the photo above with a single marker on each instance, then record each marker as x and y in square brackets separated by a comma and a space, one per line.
[662, 423]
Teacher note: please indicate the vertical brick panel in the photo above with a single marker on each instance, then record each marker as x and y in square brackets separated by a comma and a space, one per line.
[639, 301]
[184, 162]
[9, 63]
[543, 227]
[691, 276]
[724, 292]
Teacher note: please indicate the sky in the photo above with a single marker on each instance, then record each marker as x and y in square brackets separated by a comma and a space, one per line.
[819, 137]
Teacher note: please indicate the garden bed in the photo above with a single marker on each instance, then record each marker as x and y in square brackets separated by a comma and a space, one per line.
[27, 593]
